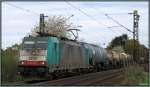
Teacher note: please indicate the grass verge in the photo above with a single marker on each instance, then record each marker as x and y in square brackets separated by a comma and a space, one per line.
[135, 75]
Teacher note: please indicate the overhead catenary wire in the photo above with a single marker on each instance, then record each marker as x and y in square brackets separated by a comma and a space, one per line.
[119, 14]
[115, 20]
[96, 35]
[118, 23]
[27, 10]
[88, 15]
[84, 13]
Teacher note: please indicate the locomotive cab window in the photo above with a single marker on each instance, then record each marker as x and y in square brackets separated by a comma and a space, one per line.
[33, 50]
[29, 42]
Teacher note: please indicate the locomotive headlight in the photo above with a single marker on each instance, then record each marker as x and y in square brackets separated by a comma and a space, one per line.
[22, 62]
[43, 63]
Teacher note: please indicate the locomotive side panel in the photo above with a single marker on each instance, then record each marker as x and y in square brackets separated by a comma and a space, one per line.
[72, 56]
[53, 53]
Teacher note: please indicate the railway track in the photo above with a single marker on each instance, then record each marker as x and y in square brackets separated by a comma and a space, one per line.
[87, 79]
[26, 82]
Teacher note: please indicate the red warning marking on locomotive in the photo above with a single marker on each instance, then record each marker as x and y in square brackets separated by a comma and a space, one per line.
[32, 63]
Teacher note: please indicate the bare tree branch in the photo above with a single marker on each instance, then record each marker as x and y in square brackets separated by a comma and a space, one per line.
[55, 25]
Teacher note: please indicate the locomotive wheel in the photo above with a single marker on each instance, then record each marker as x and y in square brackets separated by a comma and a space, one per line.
[49, 76]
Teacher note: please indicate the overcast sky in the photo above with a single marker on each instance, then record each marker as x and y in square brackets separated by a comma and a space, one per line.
[19, 18]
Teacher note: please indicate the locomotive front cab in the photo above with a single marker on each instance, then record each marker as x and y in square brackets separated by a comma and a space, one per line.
[33, 54]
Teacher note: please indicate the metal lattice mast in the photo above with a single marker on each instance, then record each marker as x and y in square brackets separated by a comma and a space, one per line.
[42, 23]
[136, 17]
[136, 24]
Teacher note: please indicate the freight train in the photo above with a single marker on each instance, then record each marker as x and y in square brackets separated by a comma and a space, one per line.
[50, 56]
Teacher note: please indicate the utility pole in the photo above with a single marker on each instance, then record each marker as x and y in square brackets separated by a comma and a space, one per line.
[42, 25]
[136, 34]
[136, 17]
[136, 24]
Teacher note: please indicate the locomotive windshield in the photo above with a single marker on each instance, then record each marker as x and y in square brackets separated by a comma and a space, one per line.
[34, 45]
[33, 49]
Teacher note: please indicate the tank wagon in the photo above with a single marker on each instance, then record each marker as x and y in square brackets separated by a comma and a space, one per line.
[97, 56]
[118, 59]
[49, 56]
[114, 58]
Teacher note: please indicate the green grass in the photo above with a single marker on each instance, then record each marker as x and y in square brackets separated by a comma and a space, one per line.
[135, 75]
[145, 79]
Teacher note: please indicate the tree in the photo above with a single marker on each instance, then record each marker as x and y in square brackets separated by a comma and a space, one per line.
[9, 63]
[55, 25]
[128, 46]
[143, 51]
[118, 41]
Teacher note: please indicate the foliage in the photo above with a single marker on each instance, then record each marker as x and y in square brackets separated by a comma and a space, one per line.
[143, 51]
[118, 49]
[9, 60]
[120, 40]
[135, 75]
[55, 25]
[128, 46]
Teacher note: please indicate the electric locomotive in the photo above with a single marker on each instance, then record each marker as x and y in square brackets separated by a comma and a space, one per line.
[33, 56]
